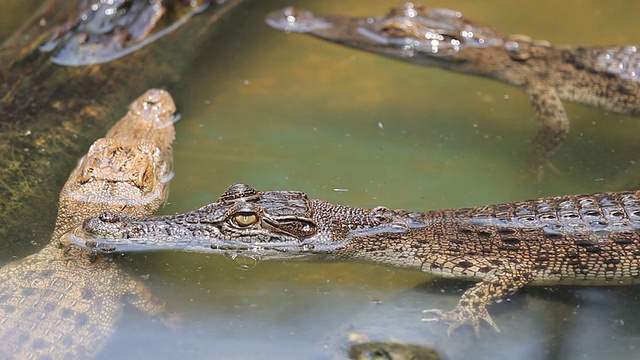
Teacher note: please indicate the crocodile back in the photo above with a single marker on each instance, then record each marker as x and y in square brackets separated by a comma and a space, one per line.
[569, 239]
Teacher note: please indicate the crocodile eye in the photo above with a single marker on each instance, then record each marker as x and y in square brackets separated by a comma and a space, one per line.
[109, 217]
[395, 31]
[246, 219]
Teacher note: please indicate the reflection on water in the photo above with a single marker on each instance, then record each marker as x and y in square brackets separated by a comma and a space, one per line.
[284, 111]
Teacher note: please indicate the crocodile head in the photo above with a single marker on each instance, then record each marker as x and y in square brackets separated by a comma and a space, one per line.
[128, 170]
[242, 219]
[120, 172]
[410, 32]
[261, 224]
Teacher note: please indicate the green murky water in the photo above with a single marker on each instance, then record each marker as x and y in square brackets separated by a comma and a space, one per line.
[285, 111]
[14, 13]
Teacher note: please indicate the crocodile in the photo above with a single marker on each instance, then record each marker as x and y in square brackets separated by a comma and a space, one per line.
[607, 77]
[64, 302]
[564, 240]
[50, 114]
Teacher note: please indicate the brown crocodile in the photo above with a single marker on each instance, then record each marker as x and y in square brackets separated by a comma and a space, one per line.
[567, 240]
[63, 302]
[50, 114]
[601, 76]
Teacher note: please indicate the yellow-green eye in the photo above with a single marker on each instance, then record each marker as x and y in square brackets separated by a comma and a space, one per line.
[246, 219]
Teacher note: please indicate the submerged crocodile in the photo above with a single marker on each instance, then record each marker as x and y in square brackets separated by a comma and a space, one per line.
[567, 240]
[63, 302]
[605, 77]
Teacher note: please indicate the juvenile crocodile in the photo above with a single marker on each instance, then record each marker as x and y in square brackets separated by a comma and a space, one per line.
[572, 240]
[63, 302]
[605, 77]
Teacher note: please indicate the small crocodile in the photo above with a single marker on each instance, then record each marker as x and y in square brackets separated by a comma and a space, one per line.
[567, 240]
[63, 302]
[605, 77]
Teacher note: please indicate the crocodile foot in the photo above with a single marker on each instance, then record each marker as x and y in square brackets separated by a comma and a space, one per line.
[461, 316]
[536, 171]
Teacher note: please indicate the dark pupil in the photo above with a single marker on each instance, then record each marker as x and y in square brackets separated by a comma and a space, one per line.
[246, 219]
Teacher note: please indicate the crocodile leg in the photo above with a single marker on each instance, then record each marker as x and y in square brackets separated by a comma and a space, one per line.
[499, 280]
[140, 296]
[554, 127]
